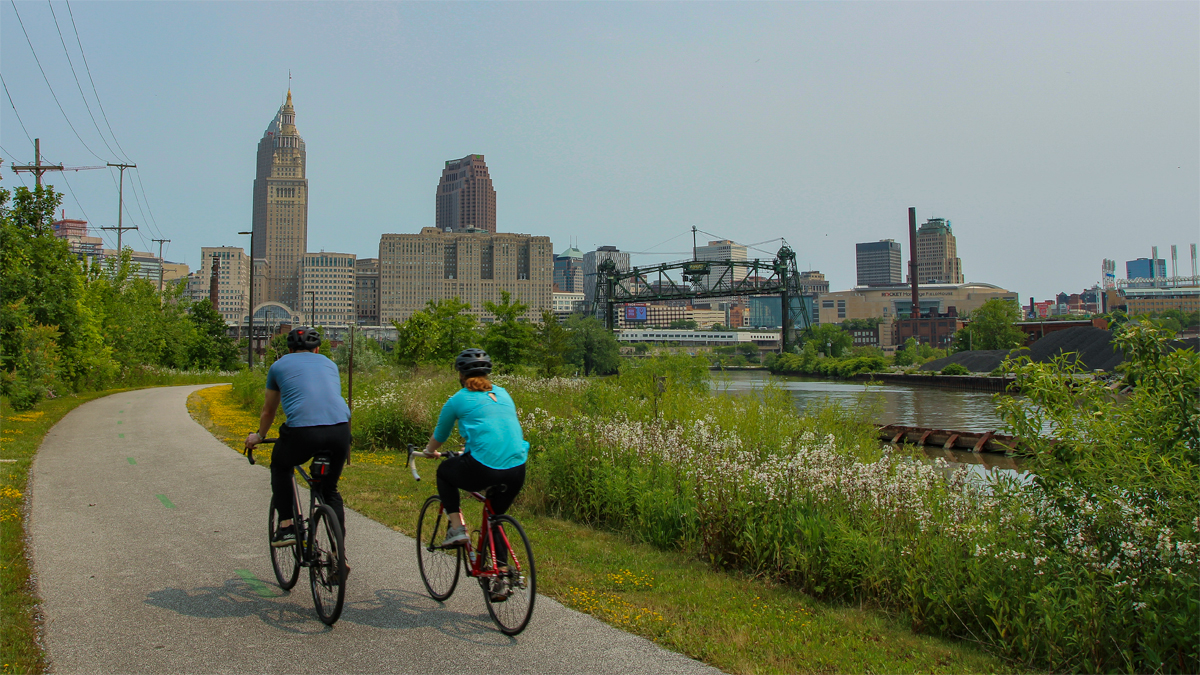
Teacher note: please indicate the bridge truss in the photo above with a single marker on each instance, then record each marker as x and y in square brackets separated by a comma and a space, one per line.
[697, 279]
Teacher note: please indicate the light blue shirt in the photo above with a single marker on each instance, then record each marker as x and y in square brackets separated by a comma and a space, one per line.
[490, 429]
[310, 389]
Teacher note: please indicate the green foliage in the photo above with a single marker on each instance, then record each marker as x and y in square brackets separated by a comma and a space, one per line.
[862, 324]
[992, 326]
[683, 324]
[829, 339]
[435, 334]
[31, 372]
[508, 341]
[913, 354]
[276, 348]
[591, 347]
[368, 354]
[553, 341]
[955, 369]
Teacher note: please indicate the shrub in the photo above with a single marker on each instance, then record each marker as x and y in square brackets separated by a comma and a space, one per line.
[955, 369]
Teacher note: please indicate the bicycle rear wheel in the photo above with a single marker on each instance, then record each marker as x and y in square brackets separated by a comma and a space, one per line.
[513, 613]
[439, 566]
[285, 559]
[327, 565]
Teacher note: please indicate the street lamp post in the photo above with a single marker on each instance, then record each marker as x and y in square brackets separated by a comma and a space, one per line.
[250, 317]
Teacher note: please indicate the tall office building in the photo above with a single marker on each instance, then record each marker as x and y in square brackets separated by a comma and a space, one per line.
[327, 288]
[937, 253]
[366, 291]
[471, 266]
[879, 263]
[592, 260]
[280, 210]
[568, 271]
[723, 249]
[1144, 268]
[465, 198]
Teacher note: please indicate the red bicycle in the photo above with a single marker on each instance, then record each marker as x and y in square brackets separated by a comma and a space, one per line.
[509, 586]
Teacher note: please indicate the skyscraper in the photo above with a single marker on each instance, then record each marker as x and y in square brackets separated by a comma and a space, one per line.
[280, 210]
[568, 271]
[722, 249]
[591, 263]
[937, 253]
[465, 198]
[879, 263]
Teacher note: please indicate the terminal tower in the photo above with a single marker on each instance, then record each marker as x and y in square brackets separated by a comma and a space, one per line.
[280, 221]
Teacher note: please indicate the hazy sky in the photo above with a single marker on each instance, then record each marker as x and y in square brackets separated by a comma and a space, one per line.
[1052, 135]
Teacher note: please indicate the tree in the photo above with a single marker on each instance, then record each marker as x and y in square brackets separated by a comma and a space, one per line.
[683, 324]
[435, 334]
[593, 348]
[508, 341]
[993, 326]
[829, 338]
[212, 349]
[908, 354]
[553, 343]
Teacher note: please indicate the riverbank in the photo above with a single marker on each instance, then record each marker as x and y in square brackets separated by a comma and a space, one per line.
[1003, 384]
[736, 621]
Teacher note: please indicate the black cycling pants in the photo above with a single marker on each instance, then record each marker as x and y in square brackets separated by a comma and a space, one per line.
[297, 445]
[465, 473]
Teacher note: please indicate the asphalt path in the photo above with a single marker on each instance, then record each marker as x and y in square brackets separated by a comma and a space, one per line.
[148, 538]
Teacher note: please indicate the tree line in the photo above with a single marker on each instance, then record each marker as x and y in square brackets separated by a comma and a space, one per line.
[68, 324]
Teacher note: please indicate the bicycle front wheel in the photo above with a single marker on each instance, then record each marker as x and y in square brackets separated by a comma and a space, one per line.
[285, 559]
[439, 566]
[509, 597]
[328, 563]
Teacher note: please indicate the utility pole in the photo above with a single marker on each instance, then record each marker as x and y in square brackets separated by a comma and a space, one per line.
[120, 204]
[250, 317]
[37, 168]
[160, 262]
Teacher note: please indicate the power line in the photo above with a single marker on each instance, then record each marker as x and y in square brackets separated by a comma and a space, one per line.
[47, 79]
[14, 107]
[76, 76]
[89, 74]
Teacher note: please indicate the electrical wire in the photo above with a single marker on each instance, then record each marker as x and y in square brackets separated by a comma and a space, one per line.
[47, 79]
[14, 107]
[75, 75]
[96, 93]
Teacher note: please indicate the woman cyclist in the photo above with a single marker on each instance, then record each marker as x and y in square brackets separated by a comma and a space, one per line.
[494, 451]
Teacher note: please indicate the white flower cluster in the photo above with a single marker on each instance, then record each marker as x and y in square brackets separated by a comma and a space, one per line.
[542, 385]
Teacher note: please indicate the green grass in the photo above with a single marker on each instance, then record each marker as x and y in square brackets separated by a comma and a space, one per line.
[20, 436]
[734, 622]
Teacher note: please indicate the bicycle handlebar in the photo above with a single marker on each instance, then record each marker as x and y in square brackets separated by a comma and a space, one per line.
[249, 453]
[413, 453]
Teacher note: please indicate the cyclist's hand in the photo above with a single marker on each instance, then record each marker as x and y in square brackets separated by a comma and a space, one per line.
[252, 440]
[431, 454]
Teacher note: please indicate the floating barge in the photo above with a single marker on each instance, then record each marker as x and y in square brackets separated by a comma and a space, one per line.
[972, 441]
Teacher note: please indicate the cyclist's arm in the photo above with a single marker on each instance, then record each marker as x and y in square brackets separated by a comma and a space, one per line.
[271, 399]
[445, 425]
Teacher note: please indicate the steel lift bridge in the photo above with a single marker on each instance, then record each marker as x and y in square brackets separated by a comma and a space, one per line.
[709, 279]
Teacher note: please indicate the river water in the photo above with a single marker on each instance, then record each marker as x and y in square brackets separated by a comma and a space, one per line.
[888, 403]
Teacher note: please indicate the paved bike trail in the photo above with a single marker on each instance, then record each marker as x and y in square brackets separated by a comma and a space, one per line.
[149, 549]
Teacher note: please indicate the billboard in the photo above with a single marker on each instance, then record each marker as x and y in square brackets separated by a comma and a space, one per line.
[635, 312]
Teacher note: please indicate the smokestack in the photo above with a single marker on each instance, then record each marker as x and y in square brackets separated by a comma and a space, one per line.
[1032, 309]
[1193, 262]
[214, 279]
[1153, 261]
[1174, 261]
[912, 261]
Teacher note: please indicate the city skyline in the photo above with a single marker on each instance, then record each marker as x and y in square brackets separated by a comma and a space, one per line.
[625, 125]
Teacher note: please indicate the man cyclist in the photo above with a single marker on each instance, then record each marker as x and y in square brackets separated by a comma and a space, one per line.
[494, 452]
[318, 424]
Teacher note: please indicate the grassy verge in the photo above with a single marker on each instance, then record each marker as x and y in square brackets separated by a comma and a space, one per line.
[734, 622]
[20, 436]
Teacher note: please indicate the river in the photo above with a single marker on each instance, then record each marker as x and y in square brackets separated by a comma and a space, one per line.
[889, 403]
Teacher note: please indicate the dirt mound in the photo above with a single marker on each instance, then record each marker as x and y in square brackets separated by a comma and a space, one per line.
[1092, 345]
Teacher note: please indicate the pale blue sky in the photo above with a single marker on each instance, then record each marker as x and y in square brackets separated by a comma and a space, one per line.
[1052, 135]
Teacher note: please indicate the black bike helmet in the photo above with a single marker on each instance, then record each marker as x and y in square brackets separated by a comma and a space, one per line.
[473, 362]
[303, 337]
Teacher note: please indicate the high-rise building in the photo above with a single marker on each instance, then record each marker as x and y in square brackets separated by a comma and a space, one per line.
[466, 199]
[591, 262]
[723, 249]
[1142, 268]
[937, 254]
[472, 266]
[327, 288]
[75, 232]
[366, 291]
[280, 210]
[568, 271]
[233, 281]
[879, 263]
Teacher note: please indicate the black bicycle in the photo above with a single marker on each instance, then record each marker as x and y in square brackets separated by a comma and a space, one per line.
[320, 544]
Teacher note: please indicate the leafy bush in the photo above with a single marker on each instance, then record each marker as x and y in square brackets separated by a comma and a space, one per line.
[955, 369]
